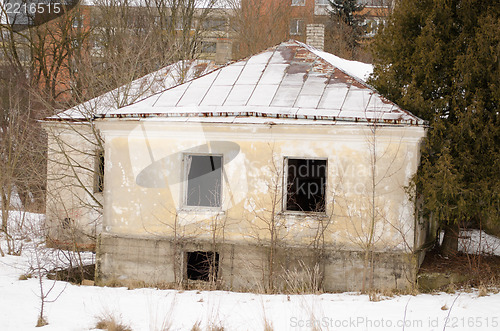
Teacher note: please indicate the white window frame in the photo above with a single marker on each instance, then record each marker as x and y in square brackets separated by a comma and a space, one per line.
[298, 2]
[285, 186]
[185, 186]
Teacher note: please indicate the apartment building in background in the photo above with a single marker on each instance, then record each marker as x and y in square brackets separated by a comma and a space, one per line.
[309, 19]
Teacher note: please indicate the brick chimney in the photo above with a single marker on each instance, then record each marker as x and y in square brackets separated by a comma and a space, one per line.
[315, 35]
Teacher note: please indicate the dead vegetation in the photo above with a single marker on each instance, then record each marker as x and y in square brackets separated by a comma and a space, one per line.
[110, 322]
[464, 271]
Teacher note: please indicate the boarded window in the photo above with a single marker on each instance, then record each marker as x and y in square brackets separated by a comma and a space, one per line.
[99, 172]
[202, 265]
[204, 180]
[306, 185]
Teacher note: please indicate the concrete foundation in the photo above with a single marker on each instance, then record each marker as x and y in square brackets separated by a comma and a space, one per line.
[161, 262]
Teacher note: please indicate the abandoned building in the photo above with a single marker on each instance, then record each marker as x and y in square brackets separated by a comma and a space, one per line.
[278, 171]
[75, 167]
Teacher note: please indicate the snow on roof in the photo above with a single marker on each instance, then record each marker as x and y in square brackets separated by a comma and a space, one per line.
[291, 80]
[137, 90]
[360, 70]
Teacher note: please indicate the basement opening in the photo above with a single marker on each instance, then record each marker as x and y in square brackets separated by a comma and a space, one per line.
[202, 265]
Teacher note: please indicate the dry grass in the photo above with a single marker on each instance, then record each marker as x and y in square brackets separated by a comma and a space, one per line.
[451, 289]
[302, 280]
[212, 327]
[41, 322]
[25, 277]
[135, 284]
[482, 291]
[374, 296]
[196, 326]
[268, 325]
[111, 323]
[480, 270]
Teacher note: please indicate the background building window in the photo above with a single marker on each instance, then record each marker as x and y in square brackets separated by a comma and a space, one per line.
[298, 2]
[306, 185]
[214, 24]
[208, 47]
[204, 180]
[296, 27]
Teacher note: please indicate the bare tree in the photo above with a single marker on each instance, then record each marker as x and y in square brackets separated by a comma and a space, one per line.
[123, 43]
[267, 225]
[22, 153]
[259, 24]
[373, 226]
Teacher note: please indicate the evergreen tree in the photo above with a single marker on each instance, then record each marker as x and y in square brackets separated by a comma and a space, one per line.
[344, 28]
[440, 59]
[344, 10]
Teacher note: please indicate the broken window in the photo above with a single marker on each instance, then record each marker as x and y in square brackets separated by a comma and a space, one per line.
[306, 185]
[99, 172]
[204, 180]
[202, 265]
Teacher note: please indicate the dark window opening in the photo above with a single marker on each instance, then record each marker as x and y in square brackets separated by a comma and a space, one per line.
[204, 180]
[202, 265]
[99, 173]
[66, 223]
[306, 185]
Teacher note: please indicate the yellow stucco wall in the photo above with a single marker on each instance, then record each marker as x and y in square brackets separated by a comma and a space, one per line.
[70, 184]
[145, 171]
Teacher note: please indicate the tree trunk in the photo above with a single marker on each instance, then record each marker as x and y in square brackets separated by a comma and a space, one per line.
[449, 247]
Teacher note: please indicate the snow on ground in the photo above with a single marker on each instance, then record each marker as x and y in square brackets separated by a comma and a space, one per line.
[79, 307]
[476, 242]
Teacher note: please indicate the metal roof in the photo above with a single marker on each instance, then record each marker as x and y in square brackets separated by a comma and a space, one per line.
[137, 90]
[291, 80]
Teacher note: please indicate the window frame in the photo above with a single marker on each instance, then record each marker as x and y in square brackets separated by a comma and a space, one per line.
[218, 24]
[185, 184]
[285, 186]
[299, 25]
[205, 46]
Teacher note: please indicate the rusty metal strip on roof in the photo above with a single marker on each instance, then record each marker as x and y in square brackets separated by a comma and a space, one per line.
[398, 121]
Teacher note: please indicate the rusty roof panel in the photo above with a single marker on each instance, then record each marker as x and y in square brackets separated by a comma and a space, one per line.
[290, 81]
